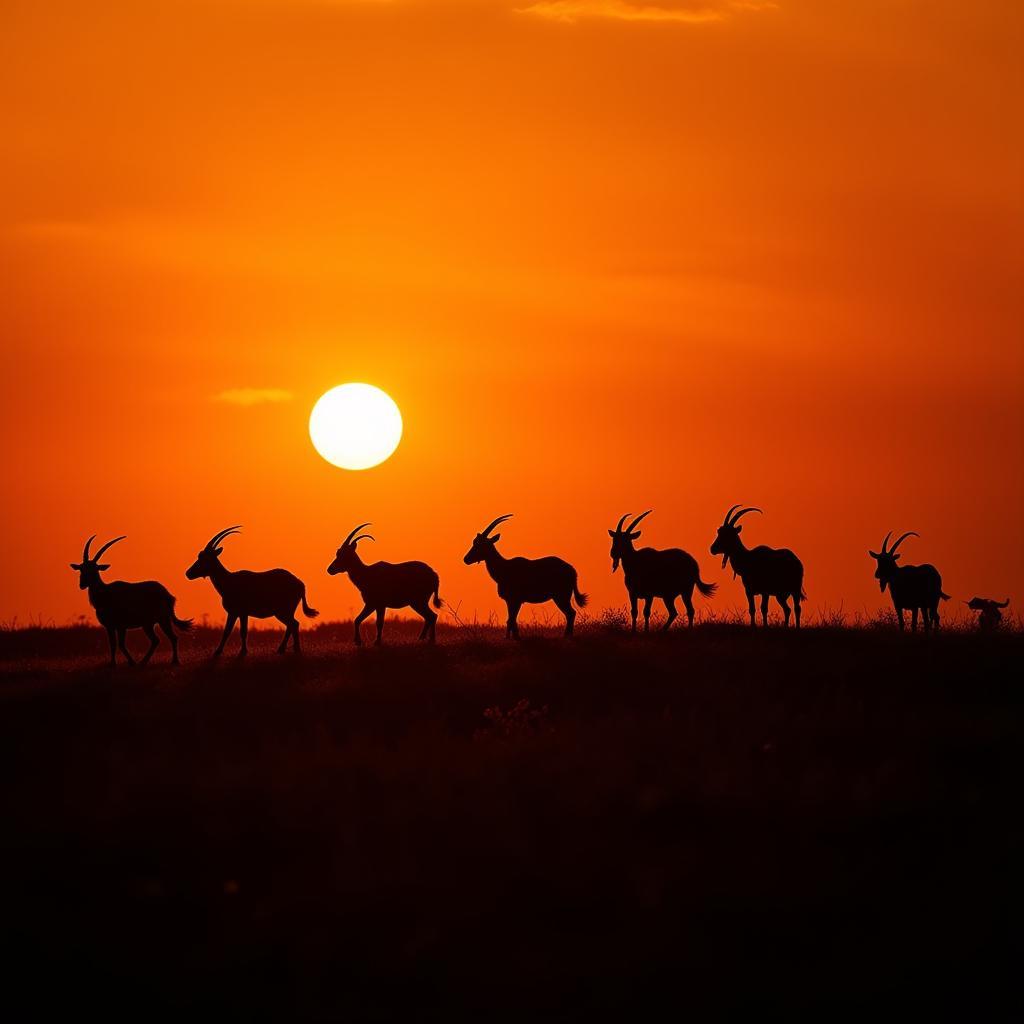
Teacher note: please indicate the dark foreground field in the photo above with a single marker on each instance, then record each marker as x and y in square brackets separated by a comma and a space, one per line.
[703, 824]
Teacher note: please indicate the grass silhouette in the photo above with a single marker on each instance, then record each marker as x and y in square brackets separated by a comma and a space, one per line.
[714, 821]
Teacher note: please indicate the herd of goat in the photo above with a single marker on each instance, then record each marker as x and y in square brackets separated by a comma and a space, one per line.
[650, 574]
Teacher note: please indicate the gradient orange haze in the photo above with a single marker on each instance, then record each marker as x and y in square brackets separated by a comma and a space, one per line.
[605, 256]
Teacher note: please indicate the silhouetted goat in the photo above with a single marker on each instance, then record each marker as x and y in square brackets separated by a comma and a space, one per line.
[911, 586]
[123, 606]
[991, 612]
[651, 573]
[384, 585]
[527, 580]
[274, 593]
[770, 572]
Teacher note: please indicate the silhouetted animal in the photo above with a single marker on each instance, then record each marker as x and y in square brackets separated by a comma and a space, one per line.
[911, 586]
[384, 585]
[274, 593]
[527, 580]
[991, 612]
[651, 573]
[770, 572]
[123, 606]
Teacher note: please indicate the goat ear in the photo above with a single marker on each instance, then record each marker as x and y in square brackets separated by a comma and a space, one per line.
[76, 567]
[496, 538]
[102, 568]
[218, 551]
[739, 529]
[896, 558]
[611, 533]
[874, 554]
[633, 536]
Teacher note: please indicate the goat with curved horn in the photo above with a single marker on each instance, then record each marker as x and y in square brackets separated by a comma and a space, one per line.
[527, 580]
[655, 573]
[384, 585]
[766, 572]
[122, 606]
[274, 593]
[917, 587]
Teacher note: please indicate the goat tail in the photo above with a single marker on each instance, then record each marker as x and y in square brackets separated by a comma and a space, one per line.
[310, 613]
[803, 594]
[706, 589]
[945, 597]
[183, 624]
[580, 597]
[438, 603]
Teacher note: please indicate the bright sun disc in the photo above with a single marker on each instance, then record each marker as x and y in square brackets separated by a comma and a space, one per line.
[355, 426]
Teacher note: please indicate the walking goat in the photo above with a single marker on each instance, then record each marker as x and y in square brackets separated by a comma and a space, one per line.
[384, 585]
[652, 573]
[274, 593]
[768, 572]
[527, 580]
[911, 586]
[122, 606]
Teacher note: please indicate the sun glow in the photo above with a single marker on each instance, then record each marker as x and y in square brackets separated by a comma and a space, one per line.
[355, 426]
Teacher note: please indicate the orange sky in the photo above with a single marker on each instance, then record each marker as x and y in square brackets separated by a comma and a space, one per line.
[605, 255]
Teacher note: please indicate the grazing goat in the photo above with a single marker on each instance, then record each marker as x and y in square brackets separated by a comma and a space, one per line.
[770, 572]
[911, 586]
[652, 573]
[527, 580]
[123, 606]
[384, 585]
[261, 595]
[991, 612]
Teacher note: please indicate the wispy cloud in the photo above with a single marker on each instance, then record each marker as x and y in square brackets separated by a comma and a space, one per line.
[634, 10]
[253, 396]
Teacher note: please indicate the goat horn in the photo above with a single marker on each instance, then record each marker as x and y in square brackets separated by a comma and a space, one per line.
[618, 529]
[500, 519]
[85, 550]
[909, 533]
[363, 536]
[643, 515]
[348, 539]
[218, 537]
[742, 512]
[725, 521]
[886, 541]
[109, 544]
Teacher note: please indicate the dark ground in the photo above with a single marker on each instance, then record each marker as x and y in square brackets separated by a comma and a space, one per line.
[709, 824]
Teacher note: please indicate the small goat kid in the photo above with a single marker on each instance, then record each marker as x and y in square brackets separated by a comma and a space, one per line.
[527, 580]
[122, 606]
[652, 573]
[274, 593]
[384, 585]
[917, 587]
[991, 616]
[768, 572]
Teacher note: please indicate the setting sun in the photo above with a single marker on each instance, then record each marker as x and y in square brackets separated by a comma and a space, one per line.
[355, 426]
[653, 647]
